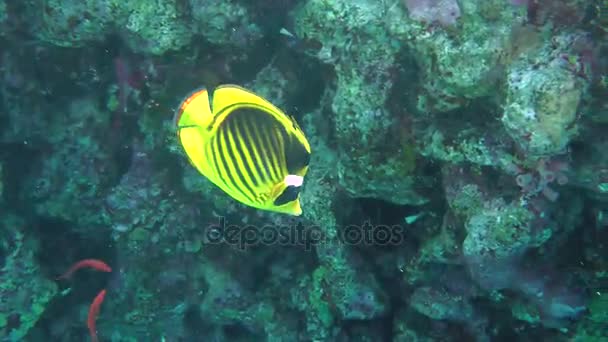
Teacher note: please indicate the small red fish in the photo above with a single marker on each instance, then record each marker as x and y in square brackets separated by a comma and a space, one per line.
[93, 312]
[92, 263]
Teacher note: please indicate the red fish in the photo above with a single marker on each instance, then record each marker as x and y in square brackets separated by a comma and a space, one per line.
[92, 263]
[93, 312]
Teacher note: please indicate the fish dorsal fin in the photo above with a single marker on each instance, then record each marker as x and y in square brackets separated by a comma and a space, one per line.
[228, 96]
[295, 123]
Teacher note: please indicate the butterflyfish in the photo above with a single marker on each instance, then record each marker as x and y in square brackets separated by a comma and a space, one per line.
[246, 146]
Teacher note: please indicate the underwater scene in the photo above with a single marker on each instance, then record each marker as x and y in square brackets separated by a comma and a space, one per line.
[303, 170]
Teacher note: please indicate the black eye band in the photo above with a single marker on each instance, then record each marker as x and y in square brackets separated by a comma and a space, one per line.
[289, 194]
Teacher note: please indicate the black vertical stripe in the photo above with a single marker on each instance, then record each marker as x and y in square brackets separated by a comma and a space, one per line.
[277, 149]
[287, 141]
[231, 155]
[253, 148]
[223, 165]
[239, 137]
[224, 149]
[215, 151]
[270, 133]
[261, 147]
[262, 132]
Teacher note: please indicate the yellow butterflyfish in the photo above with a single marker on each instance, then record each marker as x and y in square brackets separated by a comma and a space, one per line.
[246, 146]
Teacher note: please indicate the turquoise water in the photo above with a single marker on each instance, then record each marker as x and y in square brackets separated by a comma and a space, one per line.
[453, 157]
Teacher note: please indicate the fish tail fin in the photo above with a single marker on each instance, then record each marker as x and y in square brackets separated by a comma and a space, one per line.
[193, 120]
[194, 111]
[66, 275]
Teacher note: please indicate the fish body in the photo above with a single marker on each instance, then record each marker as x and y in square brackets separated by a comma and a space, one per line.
[246, 146]
[93, 312]
[88, 263]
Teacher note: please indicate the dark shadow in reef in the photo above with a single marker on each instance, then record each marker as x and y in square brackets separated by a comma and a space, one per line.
[59, 248]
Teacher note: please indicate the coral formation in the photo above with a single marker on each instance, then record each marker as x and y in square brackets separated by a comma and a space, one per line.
[363, 51]
[543, 97]
[154, 28]
[25, 291]
[78, 171]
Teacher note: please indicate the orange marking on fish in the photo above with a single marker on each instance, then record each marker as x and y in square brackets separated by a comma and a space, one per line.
[93, 312]
[91, 263]
[185, 104]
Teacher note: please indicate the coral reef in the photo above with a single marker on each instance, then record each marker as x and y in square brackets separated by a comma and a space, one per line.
[226, 23]
[363, 52]
[25, 291]
[449, 79]
[154, 28]
[543, 98]
[78, 170]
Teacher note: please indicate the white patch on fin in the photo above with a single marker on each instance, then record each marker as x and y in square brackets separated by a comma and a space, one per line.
[294, 180]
